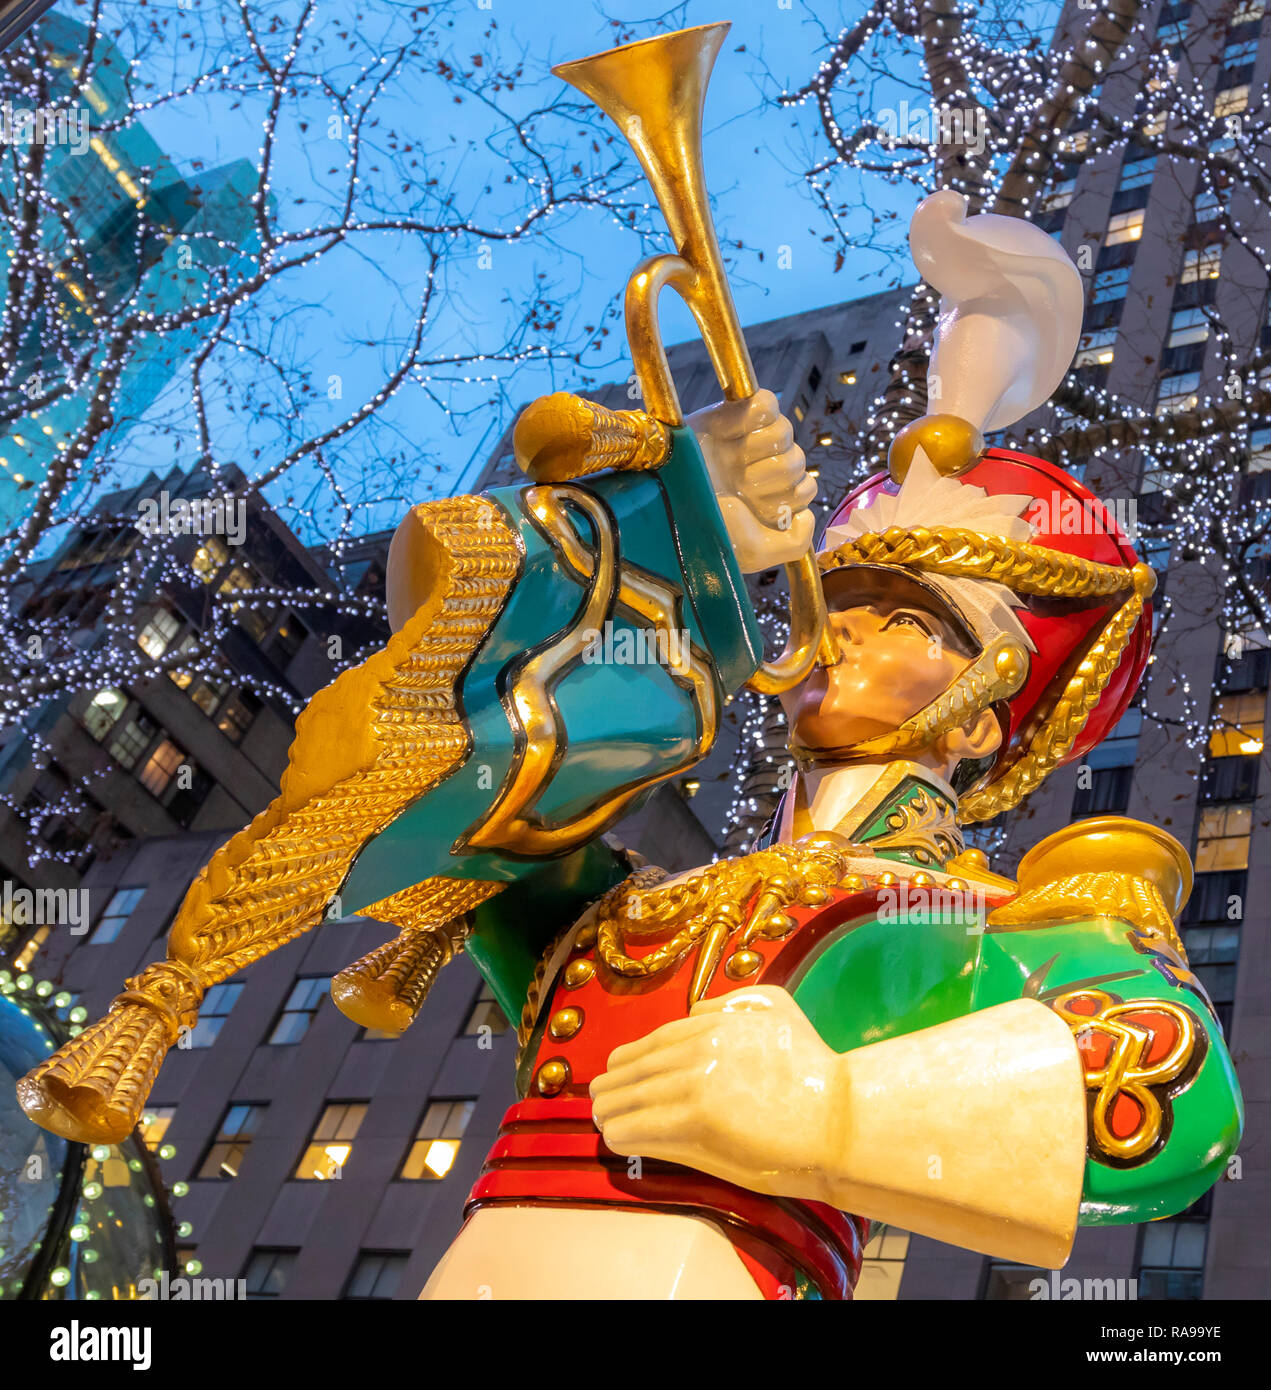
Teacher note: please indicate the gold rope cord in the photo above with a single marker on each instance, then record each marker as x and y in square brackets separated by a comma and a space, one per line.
[1026, 569]
[368, 745]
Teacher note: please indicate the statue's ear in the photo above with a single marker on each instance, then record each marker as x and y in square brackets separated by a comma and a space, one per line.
[979, 739]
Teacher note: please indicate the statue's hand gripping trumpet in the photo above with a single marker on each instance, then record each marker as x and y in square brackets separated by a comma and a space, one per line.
[726, 1076]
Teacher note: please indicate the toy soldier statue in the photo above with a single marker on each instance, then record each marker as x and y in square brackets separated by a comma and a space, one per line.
[728, 1075]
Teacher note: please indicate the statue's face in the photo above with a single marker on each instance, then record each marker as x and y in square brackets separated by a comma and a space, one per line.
[898, 654]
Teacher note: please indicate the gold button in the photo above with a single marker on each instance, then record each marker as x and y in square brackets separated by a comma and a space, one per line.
[565, 1023]
[742, 963]
[578, 972]
[956, 884]
[854, 883]
[777, 926]
[922, 880]
[552, 1076]
[814, 896]
[888, 880]
[586, 937]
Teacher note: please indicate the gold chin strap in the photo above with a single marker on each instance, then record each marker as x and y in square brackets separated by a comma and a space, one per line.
[1025, 569]
[996, 674]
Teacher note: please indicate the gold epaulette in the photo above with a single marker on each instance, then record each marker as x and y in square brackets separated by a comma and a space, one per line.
[1104, 867]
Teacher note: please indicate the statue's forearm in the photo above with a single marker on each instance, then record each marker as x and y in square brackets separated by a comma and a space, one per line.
[972, 1131]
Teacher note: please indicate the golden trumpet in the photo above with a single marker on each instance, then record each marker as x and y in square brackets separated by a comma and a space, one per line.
[655, 91]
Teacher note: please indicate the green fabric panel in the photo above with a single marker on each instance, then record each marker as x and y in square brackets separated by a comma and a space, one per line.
[1208, 1116]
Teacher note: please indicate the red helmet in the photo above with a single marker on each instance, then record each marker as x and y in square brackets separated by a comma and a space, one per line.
[1072, 592]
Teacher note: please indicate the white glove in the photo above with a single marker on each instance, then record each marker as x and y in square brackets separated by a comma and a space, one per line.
[971, 1131]
[760, 479]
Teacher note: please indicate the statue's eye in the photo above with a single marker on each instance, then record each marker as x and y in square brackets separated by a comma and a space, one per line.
[903, 619]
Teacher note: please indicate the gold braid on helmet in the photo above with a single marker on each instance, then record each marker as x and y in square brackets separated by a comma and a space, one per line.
[1025, 569]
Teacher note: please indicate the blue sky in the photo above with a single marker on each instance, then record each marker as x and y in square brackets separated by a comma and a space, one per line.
[347, 318]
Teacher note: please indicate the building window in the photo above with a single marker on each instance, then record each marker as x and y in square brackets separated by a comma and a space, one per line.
[485, 1014]
[848, 378]
[1111, 284]
[1108, 792]
[814, 378]
[155, 1123]
[1172, 1260]
[1222, 840]
[209, 558]
[331, 1144]
[1134, 174]
[1096, 348]
[1178, 393]
[132, 740]
[1260, 450]
[213, 1012]
[882, 1265]
[118, 910]
[1231, 100]
[287, 641]
[155, 638]
[237, 715]
[1125, 226]
[377, 1274]
[224, 1158]
[302, 1003]
[1229, 779]
[267, 1272]
[22, 961]
[1187, 326]
[103, 712]
[161, 767]
[1058, 195]
[436, 1143]
[801, 408]
[1236, 726]
[1202, 263]
[1008, 1283]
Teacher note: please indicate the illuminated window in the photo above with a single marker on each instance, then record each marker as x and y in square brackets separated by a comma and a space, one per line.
[485, 1014]
[1202, 263]
[224, 1158]
[1124, 226]
[208, 558]
[1248, 12]
[155, 1122]
[1222, 839]
[377, 1274]
[237, 715]
[103, 712]
[882, 1265]
[1187, 326]
[1096, 348]
[331, 1144]
[161, 767]
[1231, 100]
[1236, 728]
[848, 378]
[29, 952]
[213, 1012]
[302, 1003]
[436, 1143]
[155, 638]
[118, 910]
[267, 1272]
